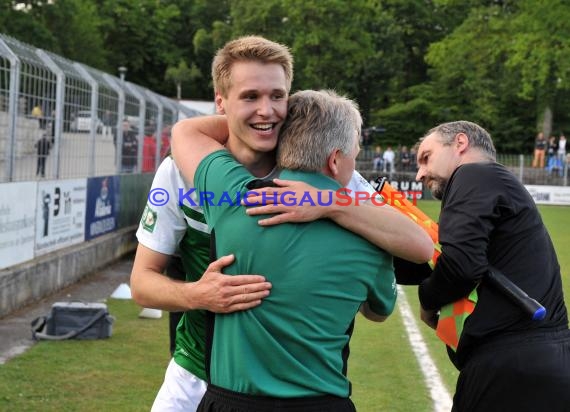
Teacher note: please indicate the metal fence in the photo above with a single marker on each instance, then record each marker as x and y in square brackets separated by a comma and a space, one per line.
[554, 173]
[61, 119]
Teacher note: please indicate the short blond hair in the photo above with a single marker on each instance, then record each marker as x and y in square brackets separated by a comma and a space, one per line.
[249, 48]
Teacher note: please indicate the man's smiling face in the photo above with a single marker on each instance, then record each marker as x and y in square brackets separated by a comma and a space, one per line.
[255, 105]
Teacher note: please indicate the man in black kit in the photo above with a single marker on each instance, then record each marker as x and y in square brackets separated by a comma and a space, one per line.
[507, 361]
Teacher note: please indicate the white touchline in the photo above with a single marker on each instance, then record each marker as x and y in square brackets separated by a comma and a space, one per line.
[438, 392]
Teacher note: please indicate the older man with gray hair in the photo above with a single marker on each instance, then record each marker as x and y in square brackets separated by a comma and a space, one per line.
[293, 349]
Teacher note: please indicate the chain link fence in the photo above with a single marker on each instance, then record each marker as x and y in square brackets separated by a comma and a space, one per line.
[60, 119]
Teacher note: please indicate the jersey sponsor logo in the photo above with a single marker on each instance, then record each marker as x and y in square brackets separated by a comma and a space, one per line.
[149, 219]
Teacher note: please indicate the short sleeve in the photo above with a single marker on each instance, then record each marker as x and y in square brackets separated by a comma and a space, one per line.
[162, 224]
[383, 290]
[221, 182]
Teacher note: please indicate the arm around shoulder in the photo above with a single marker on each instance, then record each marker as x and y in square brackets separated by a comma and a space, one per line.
[195, 138]
[387, 228]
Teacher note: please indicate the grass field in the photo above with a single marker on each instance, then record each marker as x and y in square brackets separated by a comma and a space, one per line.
[124, 372]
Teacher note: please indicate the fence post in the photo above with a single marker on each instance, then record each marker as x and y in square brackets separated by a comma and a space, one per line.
[158, 131]
[142, 117]
[120, 117]
[521, 167]
[94, 115]
[12, 110]
[59, 96]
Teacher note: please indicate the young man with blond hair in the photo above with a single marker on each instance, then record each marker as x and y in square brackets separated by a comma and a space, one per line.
[252, 78]
[292, 351]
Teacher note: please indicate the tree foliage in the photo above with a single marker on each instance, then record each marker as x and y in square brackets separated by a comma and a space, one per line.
[181, 74]
[409, 63]
[505, 58]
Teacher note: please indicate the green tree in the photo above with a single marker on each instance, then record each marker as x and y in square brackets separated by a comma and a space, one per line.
[193, 40]
[26, 24]
[540, 54]
[504, 65]
[181, 74]
[76, 25]
[138, 35]
[70, 28]
[352, 47]
[409, 105]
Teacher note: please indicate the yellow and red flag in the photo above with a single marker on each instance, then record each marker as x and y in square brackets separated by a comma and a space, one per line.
[451, 317]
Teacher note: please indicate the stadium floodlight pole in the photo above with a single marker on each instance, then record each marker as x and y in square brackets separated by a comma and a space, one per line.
[122, 73]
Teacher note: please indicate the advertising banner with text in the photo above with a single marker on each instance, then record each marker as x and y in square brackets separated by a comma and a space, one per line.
[17, 222]
[60, 216]
[102, 206]
[549, 195]
[410, 188]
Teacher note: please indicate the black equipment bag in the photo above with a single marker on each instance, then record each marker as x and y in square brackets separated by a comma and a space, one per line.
[74, 320]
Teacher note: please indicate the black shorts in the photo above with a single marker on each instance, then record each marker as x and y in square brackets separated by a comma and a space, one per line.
[527, 372]
[222, 400]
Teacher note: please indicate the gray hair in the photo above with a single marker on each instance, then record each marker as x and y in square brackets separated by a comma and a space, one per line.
[318, 122]
[478, 137]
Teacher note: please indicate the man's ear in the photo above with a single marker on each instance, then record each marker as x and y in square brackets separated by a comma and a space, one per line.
[219, 103]
[462, 142]
[332, 163]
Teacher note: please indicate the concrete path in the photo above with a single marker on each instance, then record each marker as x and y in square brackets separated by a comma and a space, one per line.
[15, 329]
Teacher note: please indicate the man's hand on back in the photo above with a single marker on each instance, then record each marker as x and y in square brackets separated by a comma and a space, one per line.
[221, 293]
[292, 201]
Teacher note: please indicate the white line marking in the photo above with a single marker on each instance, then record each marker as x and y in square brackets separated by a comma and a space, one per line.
[438, 392]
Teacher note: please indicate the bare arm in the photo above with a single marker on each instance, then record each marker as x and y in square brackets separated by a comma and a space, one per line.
[214, 291]
[386, 228]
[382, 225]
[150, 287]
[368, 314]
[195, 138]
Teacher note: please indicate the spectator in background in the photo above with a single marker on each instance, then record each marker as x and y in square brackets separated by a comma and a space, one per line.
[405, 159]
[552, 162]
[365, 140]
[165, 142]
[43, 146]
[50, 127]
[388, 158]
[149, 153]
[377, 162]
[562, 150]
[539, 150]
[130, 148]
[552, 148]
[37, 113]
[107, 120]
[413, 161]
